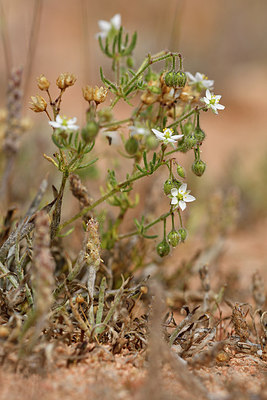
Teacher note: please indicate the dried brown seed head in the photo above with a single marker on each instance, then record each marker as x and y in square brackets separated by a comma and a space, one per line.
[43, 83]
[88, 93]
[38, 104]
[100, 94]
[65, 80]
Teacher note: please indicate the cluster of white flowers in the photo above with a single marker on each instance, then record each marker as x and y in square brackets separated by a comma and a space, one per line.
[202, 82]
[179, 197]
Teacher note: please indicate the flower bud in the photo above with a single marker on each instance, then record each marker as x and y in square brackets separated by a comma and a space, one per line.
[100, 94]
[170, 184]
[198, 167]
[180, 171]
[38, 104]
[173, 238]
[65, 80]
[131, 146]
[170, 79]
[163, 248]
[183, 234]
[199, 134]
[43, 83]
[89, 131]
[188, 143]
[151, 142]
[181, 78]
[175, 79]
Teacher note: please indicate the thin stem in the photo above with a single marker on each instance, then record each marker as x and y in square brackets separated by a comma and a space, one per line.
[146, 227]
[57, 210]
[180, 217]
[185, 116]
[103, 198]
[114, 123]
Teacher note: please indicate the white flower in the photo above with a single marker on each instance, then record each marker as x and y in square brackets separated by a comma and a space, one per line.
[179, 197]
[212, 101]
[166, 136]
[138, 130]
[200, 80]
[64, 123]
[107, 26]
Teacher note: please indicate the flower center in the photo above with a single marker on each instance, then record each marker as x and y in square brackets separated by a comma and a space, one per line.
[64, 121]
[168, 132]
[213, 100]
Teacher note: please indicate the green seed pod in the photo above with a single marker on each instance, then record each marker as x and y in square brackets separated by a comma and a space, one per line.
[173, 238]
[183, 234]
[131, 146]
[151, 142]
[130, 62]
[198, 167]
[190, 141]
[89, 131]
[170, 79]
[170, 184]
[188, 128]
[199, 134]
[180, 171]
[181, 79]
[163, 248]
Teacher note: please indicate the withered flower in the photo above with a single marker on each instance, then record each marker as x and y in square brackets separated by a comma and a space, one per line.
[43, 83]
[65, 80]
[38, 103]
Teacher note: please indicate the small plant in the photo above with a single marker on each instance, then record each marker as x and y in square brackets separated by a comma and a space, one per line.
[165, 122]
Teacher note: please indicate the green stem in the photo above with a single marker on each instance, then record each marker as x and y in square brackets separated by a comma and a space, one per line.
[57, 210]
[114, 123]
[103, 198]
[180, 218]
[185, 116]
[136, 232]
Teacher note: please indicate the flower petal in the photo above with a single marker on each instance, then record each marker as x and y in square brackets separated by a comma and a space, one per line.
[190, 76]
[182, 188]
[182, 205]
[104, 25]
[59, 119]
[176, 137]
[54, 124]
[174, 200]
[208, 94]
[116, 21]
[188, 198]
[174, 192]
[220, 107]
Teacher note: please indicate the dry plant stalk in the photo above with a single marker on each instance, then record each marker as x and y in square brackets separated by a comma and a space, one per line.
[239, 322]
[93, 260]
[13, 128]
[43, 278]
[80, 192]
